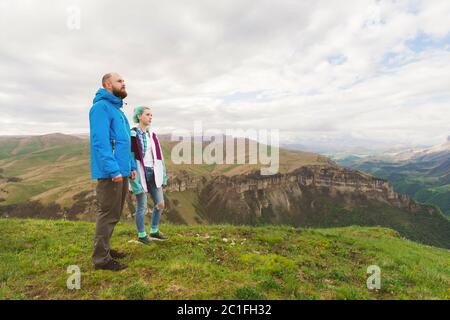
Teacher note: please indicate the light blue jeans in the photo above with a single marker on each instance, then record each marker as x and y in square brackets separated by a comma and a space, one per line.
[141, 205]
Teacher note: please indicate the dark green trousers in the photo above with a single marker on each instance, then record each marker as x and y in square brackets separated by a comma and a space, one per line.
[111, 200]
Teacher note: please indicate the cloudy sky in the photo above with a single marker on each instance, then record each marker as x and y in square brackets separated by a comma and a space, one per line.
[353, 71]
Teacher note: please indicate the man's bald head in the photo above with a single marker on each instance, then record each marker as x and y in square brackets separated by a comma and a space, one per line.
[114, 83]
[106, 78]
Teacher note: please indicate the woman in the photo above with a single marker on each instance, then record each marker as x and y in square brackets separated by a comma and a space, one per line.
[150, 175]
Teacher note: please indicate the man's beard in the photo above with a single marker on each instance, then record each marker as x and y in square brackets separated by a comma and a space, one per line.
[122, 94]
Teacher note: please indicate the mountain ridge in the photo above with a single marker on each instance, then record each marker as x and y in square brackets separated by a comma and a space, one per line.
[423, 174]
[308, 187]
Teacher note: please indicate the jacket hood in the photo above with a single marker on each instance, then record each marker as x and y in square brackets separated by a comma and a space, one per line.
[102, 94]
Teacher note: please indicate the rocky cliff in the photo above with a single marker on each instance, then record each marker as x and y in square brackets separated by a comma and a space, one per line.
[333, 180]
[320, 196]
[309, 196]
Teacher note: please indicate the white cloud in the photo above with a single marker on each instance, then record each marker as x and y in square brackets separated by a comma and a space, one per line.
[310, 68]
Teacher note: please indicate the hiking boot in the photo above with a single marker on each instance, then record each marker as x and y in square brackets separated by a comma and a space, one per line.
[112, 265]
[145, 240]
[158, 236]
[117, 254]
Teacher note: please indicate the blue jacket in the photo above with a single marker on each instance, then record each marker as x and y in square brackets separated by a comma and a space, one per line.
[110, 137]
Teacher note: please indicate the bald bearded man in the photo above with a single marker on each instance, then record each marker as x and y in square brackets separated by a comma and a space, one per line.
[111, 165]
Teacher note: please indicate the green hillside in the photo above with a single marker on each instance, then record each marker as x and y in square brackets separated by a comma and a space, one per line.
[56, 168]
[416, 179]
[220, 262]
[46, 168]
[49, 177]
[423, 174]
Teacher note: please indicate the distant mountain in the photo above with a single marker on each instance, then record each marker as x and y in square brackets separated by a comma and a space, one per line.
[55, 168]
[438, 152]
[423, 173]
[49, 177]
[343, 144]
[18, 145]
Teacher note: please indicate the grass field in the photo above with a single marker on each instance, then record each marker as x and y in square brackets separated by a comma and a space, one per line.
[220, 262]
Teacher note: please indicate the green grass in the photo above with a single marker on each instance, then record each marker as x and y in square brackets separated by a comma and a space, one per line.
[21, 192]
[442, 189]
[220, 262]
[184, 202]
[26, 162]
[6, 147]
